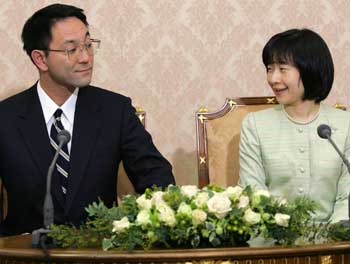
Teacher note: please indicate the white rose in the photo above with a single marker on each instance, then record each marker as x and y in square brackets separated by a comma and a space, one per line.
[201, 199]
[233, 192]
[219, 205]
[120, 225]
[157, 198]
[143, 217]
[166, 214]
[258, 194]
[184, 209]
[282, 219]
[189, 190]
[198, 216]
[251, 217]
[282, 201]
[262, 192]
[144, 203]
[243, 201]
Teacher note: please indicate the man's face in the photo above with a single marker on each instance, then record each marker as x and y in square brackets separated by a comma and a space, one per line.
[74, 68]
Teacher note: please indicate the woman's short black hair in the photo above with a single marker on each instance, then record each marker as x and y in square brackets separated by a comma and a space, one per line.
[36, 33]
[309, 53]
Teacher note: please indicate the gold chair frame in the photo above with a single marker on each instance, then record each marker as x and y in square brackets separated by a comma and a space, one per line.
[203, 119]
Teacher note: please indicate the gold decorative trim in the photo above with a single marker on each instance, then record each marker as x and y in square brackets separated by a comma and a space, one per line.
[339, 106]
[203, 109]
[271, 100]
[201, 118]
[201, 160]
[326, 259]
[141, 117]
[139, 109]
[232, 103]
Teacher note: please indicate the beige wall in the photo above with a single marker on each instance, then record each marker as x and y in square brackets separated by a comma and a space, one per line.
[173, 56]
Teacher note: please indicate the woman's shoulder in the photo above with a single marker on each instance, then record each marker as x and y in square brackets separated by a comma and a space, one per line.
[268, 113]
[268, 117]
[337, 119]
[334, 112]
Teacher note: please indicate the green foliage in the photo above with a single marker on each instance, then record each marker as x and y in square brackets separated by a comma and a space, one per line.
[89, 234]
[339, 231]
[188, 217]
[300, 212]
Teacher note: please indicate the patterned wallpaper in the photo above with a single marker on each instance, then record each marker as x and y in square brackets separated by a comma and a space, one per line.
[173, 56]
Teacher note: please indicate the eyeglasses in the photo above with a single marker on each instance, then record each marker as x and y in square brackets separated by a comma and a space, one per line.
[74, 53]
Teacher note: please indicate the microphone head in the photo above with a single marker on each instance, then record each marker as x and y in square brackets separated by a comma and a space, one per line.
[324, 131]
[63, 136]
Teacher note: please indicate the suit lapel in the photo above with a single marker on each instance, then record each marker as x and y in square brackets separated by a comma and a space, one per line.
[85, 131]
[33, 129]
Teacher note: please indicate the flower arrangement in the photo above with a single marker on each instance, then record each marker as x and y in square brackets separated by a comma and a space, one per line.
[188, 217]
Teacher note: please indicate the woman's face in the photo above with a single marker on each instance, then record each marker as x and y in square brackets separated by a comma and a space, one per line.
[286, 84]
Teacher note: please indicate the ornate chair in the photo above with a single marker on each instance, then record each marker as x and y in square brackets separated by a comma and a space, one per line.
[124, 184]
[218, 136]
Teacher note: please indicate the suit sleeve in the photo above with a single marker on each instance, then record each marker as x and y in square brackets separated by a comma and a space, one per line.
[251, 166]
[142, 161]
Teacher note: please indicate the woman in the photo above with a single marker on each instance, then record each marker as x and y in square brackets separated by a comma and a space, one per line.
[280, 149]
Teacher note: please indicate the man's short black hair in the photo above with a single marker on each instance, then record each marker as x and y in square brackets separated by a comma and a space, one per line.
[36, 33]
[309, 53]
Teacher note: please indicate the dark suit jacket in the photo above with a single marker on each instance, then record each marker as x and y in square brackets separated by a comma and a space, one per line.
[105, 132]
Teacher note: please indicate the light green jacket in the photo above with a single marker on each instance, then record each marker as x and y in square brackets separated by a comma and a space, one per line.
[290, 159]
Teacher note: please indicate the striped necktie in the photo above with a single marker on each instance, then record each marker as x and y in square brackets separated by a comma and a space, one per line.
[62, 165]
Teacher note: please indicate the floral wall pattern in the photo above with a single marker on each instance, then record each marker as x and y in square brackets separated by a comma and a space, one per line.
[173, 56]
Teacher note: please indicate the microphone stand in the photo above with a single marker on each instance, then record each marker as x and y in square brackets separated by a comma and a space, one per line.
[346, 162]
[39, 236]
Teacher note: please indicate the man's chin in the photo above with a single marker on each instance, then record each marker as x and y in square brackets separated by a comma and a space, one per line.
[82, 83]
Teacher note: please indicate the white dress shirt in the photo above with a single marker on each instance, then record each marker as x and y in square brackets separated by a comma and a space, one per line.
[49, 107]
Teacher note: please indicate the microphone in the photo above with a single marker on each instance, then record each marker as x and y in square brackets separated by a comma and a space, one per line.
[63, 137]
[324, 131]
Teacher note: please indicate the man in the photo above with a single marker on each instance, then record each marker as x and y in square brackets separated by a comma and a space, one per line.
[103, 125]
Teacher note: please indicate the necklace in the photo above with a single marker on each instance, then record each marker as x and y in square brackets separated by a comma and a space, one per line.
[299, 122]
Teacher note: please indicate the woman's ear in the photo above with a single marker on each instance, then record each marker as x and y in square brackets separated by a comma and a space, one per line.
[39, 59]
